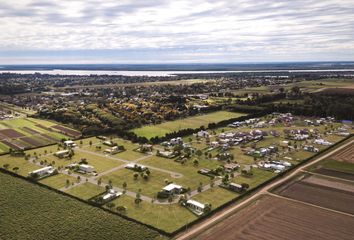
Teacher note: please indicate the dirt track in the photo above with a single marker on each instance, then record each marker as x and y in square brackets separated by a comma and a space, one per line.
[334, 173]
[278, 219]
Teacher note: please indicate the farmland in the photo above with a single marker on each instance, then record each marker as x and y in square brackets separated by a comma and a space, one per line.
[166, 213]
[275, 218]
[25, 133]
[190, 122]
[37, 210]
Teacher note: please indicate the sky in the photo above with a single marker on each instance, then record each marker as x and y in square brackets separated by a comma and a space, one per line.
[175, 31]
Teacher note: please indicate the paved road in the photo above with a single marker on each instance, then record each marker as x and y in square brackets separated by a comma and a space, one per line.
[210, 221]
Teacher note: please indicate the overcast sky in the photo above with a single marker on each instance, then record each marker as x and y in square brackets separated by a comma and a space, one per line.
[174, 31]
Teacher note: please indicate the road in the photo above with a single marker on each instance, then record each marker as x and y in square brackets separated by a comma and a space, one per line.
[212, 220]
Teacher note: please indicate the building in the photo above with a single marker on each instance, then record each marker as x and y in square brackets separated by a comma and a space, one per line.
[172, 189]
[69, 143]
[235, 187]
[166, 154]
[109, 143]
[86, 168]
[61, 154]
[110, 195]
[311, 149]
[196, 207]
[134, 166]
[203, 134]
[42, 171]
[231, 167]
[112, 150]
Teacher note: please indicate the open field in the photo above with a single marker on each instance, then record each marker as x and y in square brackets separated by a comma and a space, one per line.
[24, 133]
[347, 155]
[326, 193]
[190, 122]
[278, 219]
[44, 214]
[86, 191]
[169, 217]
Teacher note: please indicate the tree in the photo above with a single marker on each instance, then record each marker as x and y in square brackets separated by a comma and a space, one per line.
[136, 175]
[99, 181]
[121, 209]
[90, 143]
[67, 184]
[15, 169]
[6, 165]
[195, 162]
[125, 185]
[78, 179]
[199, 153]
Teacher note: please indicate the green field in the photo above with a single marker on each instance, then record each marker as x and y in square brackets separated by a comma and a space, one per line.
[190, 122]
[32, 212]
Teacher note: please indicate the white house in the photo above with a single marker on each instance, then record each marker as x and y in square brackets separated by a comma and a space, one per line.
[69, 143]
[61, 153]
[86, 168]
[196, 207]
[111, 194]
[43, 171]
[203, 134]
[134, 166]
[172, 189]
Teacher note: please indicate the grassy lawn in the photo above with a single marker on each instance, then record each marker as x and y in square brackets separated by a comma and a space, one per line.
[57, 181]
[191, 178]
[24, 166]
[216, 196]
[148, 187]
[168, 218]
[259, 176]
[190, 122]
[86, 190]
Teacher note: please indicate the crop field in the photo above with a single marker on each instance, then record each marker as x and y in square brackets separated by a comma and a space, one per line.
[346, 155]
[36, 210]
[190, 122]
[25, 133]
[277, 219]
[327, 193]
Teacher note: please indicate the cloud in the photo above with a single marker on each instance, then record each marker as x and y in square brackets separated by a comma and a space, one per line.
[179, 30]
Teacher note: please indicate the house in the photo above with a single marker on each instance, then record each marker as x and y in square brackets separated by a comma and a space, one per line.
[86, 168]
[235, 187]
[110, 195]
[112, 150]
[69, 143]
[231, 167]
[311, 148]
[135, 167]
[175, 141]
[203, 134]
[196, 207]
[322, 142]
[166, 154]
[214, 144]
[172, 189]
[61, 154]
[42, 171]
[109, 143]
[146, 148]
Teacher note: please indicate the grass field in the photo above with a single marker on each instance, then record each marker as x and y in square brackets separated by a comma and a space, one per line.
[190, 122]
[86, 191]
[31, 212]
[168, 218]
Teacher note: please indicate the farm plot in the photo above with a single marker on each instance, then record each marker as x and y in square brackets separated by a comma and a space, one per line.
[25, 133]
[329, 194]
[190, 122]
[277, 219]
[346, 155]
